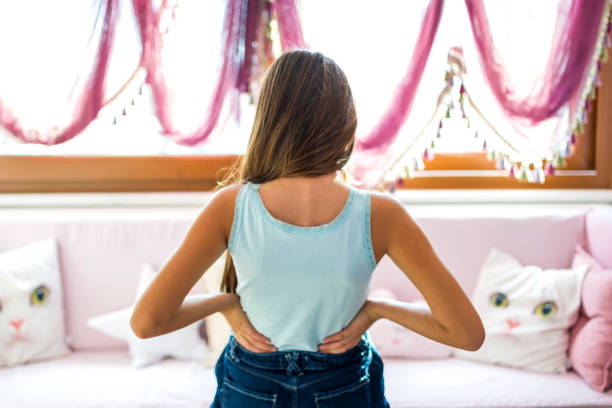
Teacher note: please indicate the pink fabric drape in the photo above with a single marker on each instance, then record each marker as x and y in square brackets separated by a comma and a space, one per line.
[370, 149]
[289, 27]
[151, 38]
[242, 18]
[91, 98]
[574, 40]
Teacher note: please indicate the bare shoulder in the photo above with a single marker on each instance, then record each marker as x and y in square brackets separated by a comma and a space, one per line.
[385, 208]
[388, 216]
[388, 210]
[221, 205]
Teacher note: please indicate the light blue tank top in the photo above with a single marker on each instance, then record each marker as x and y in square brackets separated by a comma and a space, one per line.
[298, 285]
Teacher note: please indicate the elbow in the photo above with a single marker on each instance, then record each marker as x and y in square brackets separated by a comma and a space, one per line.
[142, 329]
[474, 338]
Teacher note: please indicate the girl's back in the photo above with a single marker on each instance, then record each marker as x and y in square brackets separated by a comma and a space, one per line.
[303, 255]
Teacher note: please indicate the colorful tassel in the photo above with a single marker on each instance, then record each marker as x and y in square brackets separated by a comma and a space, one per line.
[573, 139]
[427, 154]
[114, 120]
[568, 150]
[490, 155]
[578, 129]
[559, 162]
[511, 172]
[540, 178]
[606, 41]
[525, 174]
[484, 146]
[419, 163]
[133, 103]
[596, 80]
[124, 113]
[433, 145]
[399, 181]
[549, 169]
[499, 163]
[507, 163]
[409, 171]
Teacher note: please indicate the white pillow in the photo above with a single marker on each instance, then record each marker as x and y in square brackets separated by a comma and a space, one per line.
[185, 343]
[526, 312]
[31, 304]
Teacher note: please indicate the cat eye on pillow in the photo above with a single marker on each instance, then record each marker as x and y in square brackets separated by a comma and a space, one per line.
[498, 299]
[32, 313]
[546, 309]
[39, 295]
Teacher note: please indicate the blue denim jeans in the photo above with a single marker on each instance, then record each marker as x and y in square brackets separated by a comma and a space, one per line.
[299, 379]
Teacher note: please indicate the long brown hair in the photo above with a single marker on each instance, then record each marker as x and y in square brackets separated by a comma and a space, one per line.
[304, 126]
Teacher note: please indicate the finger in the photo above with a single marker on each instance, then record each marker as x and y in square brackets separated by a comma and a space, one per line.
[244, 342]
[255, 346]
[264, 345]
[335, 337]
[335, 347]
[254, 334]
[257, 337]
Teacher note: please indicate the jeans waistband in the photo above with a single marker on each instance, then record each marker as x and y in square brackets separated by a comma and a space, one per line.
[298, 361]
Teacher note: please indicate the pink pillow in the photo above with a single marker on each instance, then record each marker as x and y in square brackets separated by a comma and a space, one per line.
[598, 225]
[590, 351]
[590, 348]
[596, 287]
[393, 340]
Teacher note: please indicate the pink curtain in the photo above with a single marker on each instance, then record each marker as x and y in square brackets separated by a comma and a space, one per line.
[241, 25]
[575, 38]
[289, 25]
[371, 150]
[152, 43]
[91, 98]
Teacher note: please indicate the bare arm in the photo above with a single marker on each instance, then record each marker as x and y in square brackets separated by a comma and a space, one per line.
[451, 318]
[162, 307]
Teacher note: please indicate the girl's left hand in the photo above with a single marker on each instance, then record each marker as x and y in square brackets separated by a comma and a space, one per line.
[350, 336]
[245, 333]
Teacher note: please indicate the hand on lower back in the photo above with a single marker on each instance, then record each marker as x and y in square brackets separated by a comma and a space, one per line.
[245, 333]
[349, 336]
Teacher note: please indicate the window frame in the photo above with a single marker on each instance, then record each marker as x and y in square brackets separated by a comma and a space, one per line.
[588, 168]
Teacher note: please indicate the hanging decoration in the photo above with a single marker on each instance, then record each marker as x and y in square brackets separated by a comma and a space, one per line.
[371, 147]
[524, 166]
[247, 52]
[89, 100]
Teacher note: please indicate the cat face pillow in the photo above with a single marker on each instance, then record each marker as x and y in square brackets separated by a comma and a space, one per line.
[31, 308]
[526, 312]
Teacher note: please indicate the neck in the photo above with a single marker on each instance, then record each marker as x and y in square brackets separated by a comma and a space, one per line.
[306, 183]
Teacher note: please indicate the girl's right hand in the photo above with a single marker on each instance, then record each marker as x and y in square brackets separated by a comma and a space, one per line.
[350, 336]
[243, 330]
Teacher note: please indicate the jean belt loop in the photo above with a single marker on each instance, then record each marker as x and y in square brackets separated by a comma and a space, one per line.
[293, 367]
[232, 350]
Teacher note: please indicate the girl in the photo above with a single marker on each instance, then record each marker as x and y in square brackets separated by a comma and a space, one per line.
[302, 247]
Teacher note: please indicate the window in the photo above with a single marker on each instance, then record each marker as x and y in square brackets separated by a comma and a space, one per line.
[146, 161]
